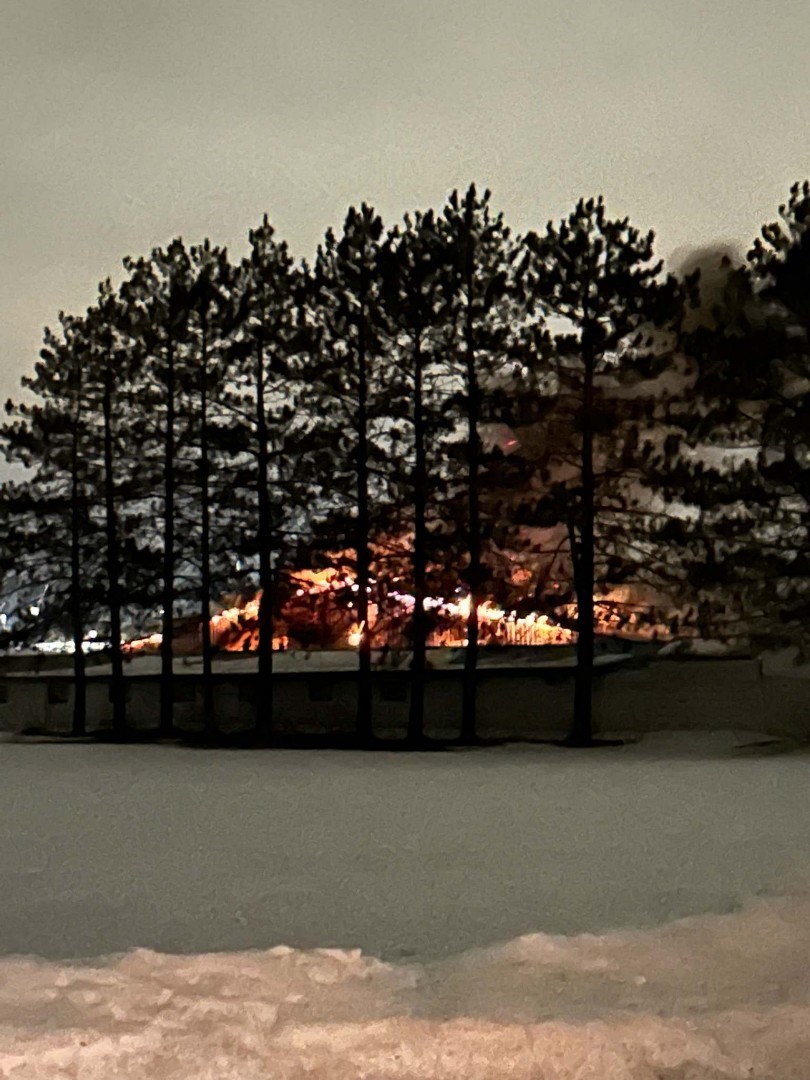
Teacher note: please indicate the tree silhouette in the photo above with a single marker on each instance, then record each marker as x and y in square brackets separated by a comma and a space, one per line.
[345, 312]
[478, 244]
[50, 439]
[417, 287]
[596, 276]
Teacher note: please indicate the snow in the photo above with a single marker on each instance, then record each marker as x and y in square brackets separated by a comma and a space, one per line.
[695, 647]
[633, 912]
[299, 661]
[785, 663]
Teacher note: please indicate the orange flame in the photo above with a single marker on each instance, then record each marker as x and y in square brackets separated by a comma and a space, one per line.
[235, 629]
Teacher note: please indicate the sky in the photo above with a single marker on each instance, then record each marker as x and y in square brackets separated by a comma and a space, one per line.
[128, 122]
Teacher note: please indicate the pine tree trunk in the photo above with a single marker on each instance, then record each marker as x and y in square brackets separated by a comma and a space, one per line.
[582, 729]
[264, 696]
[364, 721]
[416, 712]
[205, 539]
[117, 686]
[76, 614]
[470, 677]
[167, 642]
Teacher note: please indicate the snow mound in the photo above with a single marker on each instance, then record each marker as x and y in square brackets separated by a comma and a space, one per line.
[703, 998]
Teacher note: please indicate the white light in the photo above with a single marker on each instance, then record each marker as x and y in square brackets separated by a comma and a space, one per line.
[34, 609]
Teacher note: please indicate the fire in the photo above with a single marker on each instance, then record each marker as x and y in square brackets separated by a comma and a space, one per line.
[236, 628]
[153, 641]
[496, 625]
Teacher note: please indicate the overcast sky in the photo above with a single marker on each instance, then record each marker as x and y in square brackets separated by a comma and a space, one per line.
[127, 122]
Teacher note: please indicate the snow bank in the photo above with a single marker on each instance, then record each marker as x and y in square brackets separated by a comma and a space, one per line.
[454, 861]
[700, 999]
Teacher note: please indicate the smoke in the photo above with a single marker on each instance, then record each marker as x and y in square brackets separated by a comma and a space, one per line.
[715, 263]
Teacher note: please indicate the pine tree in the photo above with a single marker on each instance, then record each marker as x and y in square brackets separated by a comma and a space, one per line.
[780, 270]
[345, 316]
[745, 422]
[417, 280]
[263, 409]
[211, 322]
[107, 371]
[157, 299]
[49, 440]
[479, 247]
[617, 319]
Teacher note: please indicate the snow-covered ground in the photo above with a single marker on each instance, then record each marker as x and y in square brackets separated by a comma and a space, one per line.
[634, 912]
[297, 660]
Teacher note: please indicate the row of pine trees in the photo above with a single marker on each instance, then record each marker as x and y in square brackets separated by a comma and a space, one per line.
[211, 425]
